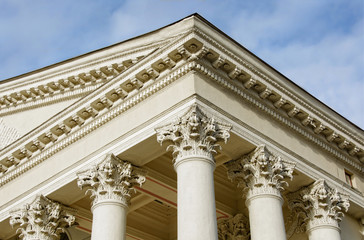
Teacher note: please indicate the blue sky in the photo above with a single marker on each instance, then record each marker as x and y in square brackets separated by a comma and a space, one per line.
[317, 44]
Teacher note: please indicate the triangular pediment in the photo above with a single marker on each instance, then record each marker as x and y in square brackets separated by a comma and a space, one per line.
[28, 107]
[191, 46]
[32, 99]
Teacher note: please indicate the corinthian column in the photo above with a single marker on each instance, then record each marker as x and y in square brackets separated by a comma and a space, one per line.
[110, 183]
[262, 174]
[43, 219]
[318, 209]
[193, 139]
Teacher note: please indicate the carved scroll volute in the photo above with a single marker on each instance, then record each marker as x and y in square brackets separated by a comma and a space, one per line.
[260, 172]
[111, 179]
[193, 134]
[42, 219]
[317, 205]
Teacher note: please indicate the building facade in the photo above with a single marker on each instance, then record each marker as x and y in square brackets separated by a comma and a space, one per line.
[180, 133]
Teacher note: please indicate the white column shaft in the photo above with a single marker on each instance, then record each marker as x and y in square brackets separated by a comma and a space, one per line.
[324, 232]
[266, 218]
[109, 221]
[196, 199]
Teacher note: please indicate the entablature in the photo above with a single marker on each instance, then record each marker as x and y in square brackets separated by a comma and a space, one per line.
[127, 146]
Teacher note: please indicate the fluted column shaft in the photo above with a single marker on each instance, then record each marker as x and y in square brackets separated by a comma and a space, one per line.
[193, 140]
[110, 183]
[262, 176]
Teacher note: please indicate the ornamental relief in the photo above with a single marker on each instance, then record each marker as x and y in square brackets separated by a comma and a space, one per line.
[316, 205]
[235, 228]
[111, 179]
[42, 219]
[184, 58]
[193, 134]
[260, 172]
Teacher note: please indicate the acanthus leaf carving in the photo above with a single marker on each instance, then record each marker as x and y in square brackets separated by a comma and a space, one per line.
[42, 219]
[235, 228]
[260, 172]
[193, 134]
[111, 179]
[317, 205]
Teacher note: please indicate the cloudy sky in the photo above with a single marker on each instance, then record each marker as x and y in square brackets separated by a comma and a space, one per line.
[317, 44]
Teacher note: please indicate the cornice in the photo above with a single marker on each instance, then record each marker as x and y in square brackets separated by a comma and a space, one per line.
[74, 79]
[282, 116]
[75, 67]
[251, 66]
[63, 89]
[191, 52]
[125, 91]
[256, 82]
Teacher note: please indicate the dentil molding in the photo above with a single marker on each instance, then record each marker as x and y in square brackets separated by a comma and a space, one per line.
[193, 52]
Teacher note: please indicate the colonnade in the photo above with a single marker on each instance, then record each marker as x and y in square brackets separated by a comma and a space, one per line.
[194, 139]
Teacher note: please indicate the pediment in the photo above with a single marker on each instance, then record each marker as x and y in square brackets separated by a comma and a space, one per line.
[29, 100]
[27, 107]
[116, 87]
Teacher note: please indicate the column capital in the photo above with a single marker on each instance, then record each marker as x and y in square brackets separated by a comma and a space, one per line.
[317, 205]
[260, 172]
[234, 228]
[111, 179]
[42, 219]
[193, 134]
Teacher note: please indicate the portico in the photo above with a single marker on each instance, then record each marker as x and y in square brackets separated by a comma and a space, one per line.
[179, 134]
